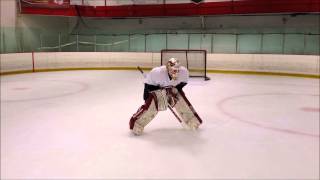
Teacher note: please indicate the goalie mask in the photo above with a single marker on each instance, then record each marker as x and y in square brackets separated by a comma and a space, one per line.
[173, 68]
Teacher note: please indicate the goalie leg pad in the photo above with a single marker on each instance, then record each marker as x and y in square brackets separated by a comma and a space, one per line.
[143, 116]
[172, 96]
[186, 111]
[160, 97]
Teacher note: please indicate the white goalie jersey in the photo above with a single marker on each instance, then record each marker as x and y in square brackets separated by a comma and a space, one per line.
[158, 76]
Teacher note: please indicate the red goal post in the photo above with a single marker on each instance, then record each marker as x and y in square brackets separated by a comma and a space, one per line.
[193, 59]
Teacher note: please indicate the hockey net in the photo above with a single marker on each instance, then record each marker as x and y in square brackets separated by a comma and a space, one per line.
[194, 60]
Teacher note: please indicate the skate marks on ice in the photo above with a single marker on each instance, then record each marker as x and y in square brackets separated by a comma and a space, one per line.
[279, 118]
[91, 133]
[175, 138]
[20, 91]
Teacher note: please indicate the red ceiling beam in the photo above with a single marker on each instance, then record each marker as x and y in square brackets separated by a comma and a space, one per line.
[185, 9]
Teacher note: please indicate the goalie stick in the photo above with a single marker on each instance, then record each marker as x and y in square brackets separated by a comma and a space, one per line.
[144, 75]
[174, 113]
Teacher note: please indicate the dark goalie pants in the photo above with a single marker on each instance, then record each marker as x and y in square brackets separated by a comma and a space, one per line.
[159, 100]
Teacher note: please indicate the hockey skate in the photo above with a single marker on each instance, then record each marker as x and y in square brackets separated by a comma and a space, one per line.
[137, 129]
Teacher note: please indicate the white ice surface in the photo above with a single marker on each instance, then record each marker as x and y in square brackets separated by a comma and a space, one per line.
[74, 124]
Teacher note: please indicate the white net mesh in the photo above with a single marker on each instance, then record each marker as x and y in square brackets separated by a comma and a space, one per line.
[194, 60]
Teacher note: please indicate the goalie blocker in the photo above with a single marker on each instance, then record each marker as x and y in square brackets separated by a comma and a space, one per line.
[159, 100]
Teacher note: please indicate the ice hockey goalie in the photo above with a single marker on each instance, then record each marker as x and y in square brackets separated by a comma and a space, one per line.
[163, 90]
